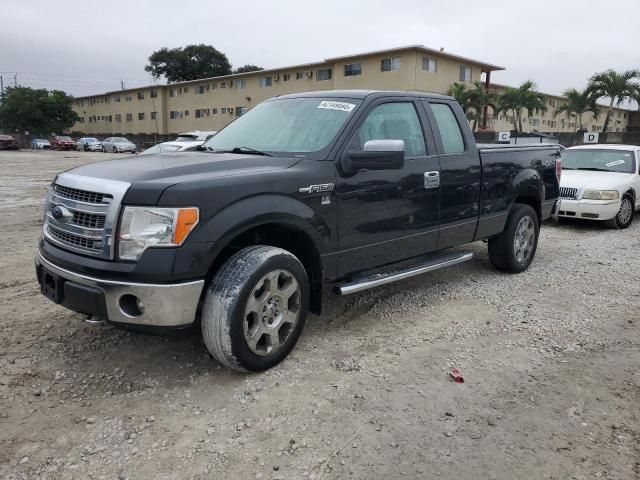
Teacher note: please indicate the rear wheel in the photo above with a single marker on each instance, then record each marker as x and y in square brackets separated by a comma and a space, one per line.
[624, 217]
[513, 250]
[255, 308]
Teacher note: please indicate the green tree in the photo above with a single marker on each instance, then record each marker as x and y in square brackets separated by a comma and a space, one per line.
[477, 99]
[248, 68]
[189, 63]
[576, 104]
[459, 92]
[618, 87]
[38, 111]
[516, 100]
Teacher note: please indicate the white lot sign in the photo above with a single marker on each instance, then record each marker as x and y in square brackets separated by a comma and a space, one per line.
[504, 136]
[591, 137]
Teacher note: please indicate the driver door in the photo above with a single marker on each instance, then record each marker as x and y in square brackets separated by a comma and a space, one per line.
[389, 215]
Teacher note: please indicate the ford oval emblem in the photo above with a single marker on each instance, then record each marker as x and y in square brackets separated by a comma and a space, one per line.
[57, 213]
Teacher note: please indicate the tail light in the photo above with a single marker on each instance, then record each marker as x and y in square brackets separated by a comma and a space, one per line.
[559, 168]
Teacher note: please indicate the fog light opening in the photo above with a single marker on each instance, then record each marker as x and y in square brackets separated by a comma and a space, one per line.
[131, 305]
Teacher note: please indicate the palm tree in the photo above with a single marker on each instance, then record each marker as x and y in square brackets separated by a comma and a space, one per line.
[478, 98]
[617, 86]
[459, 92]
[576, 104]
[524, 97]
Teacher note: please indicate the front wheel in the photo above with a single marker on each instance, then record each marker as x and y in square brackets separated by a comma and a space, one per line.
[624, 217]
[513, 250]
[255, 308]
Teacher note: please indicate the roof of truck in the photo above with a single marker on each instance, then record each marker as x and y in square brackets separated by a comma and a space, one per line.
[362, 94]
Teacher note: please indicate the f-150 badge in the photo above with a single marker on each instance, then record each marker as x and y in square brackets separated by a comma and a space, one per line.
[323, 187]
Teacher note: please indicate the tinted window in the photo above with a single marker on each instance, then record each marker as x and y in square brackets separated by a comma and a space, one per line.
[450, 133]
[393, 121]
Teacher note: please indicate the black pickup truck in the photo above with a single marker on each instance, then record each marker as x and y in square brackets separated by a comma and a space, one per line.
[347, 189]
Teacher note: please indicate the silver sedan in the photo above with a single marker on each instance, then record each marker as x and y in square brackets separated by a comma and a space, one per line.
[118, 145]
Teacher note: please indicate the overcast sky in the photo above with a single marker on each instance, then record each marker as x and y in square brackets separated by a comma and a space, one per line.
[86, 47]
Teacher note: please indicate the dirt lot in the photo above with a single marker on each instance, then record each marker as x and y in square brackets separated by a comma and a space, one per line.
[550, 359]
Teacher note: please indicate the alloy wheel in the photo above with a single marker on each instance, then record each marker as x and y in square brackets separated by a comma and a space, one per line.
[524, 239]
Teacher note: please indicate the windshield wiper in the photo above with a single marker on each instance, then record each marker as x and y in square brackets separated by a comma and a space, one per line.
[241, 150]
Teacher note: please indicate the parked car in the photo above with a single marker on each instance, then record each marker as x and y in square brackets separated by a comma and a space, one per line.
[195, 136]
[7, 142]
[40, 144]
[166, 147]
[62, 142]
[601, 182]
[118, 145]
[343, 189]
[86, 144]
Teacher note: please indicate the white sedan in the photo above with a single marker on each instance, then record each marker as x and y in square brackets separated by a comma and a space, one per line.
[118, 145]
[600, 182]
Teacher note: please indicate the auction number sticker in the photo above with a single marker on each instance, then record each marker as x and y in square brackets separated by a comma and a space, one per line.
[617, 162]
[343, 106]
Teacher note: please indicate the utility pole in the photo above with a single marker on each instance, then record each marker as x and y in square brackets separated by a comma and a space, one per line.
[122, 84]
[2, 87]
[15, 80]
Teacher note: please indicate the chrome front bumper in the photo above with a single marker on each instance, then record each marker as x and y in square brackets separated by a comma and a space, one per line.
[164, 305]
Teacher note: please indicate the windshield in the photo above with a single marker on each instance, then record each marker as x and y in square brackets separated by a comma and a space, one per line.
[91, 140]
[288, 125]
[621, 161]
[64, 139]
[120, 140]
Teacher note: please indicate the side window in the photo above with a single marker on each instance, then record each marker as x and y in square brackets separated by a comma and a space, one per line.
[392, 121]
[452, 141]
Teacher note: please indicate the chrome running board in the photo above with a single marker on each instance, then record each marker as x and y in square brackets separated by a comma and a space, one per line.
[378, 279]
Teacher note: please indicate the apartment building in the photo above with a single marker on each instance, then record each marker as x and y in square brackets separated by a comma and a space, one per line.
[211, 103]
[550, 122]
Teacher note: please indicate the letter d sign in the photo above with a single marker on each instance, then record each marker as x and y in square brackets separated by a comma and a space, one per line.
[591, 137]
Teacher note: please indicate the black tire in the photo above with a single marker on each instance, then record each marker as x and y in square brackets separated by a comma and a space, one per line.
[115, 150]
[502, 250]
[624, 217]
[224, 313]
[103, 150]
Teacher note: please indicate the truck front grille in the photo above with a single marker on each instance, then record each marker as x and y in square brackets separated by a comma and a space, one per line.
[91, 207]
[75, 240]
[79, 195]
[568, 193]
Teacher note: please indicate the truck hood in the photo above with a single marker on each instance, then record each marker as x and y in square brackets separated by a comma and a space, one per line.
[583, 179]
[150, 175]
[176, 167]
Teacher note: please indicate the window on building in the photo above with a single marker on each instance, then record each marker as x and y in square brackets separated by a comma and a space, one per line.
[127, 98]
[140, 95]
[323, 74]
[390, 64]
[352, 69]
[536, 122]
[223, 110]
[299, 75]
[118, 117]
[214, 111]
[116, 98]
[200, 89]
[223, 84]
[129, 117]
[186, 113]
[154, 115]
[465, 74]
[452, 140]
[266, 82]
[392, 121]
[174, 114]
[429, 64]
[185, 89]
[241, 84]
[240, 111]
[141, 116]
[172, 92]
[202, 112]
[286, 77]
[153, 94]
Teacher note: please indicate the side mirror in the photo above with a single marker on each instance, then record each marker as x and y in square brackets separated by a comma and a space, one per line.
[376, 155]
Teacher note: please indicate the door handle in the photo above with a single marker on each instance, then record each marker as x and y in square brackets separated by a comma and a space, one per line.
[431, 179]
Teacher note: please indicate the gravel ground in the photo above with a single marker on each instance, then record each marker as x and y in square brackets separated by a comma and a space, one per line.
[550, 360]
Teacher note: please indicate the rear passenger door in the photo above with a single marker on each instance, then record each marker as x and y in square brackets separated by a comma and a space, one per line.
[460, 173]
[388, 215]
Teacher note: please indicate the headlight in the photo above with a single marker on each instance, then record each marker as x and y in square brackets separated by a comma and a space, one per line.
[144, 227]
[600, 195]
